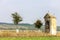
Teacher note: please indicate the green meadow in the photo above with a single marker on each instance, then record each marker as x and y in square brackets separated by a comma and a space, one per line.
[29, 38]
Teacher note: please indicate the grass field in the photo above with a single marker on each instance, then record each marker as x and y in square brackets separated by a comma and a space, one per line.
[29, 38]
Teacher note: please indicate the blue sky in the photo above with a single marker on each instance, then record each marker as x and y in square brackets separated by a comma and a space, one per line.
[30, 10]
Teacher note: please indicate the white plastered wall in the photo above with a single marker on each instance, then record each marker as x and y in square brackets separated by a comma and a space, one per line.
[53, 26]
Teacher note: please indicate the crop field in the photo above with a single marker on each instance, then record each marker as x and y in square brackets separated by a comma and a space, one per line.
[27, 35]
[30, 38]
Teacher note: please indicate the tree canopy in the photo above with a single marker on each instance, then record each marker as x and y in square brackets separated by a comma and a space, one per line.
[38, 24]
[16, 18]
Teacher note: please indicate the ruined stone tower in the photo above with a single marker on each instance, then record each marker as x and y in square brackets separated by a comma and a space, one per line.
[50, 24]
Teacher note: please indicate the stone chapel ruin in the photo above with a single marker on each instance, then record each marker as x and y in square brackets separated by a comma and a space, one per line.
[50, 24]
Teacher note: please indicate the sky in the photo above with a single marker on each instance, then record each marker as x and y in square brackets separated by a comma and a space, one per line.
[29, 10]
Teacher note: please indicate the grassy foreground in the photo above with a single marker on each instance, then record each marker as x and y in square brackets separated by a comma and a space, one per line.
[29, 38]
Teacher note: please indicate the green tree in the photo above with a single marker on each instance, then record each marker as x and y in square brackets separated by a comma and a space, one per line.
[16, 18]
[38, 24]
